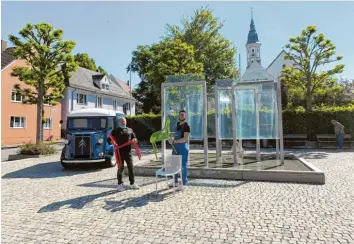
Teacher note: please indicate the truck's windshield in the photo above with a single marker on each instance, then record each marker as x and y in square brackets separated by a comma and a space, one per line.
[97, 123]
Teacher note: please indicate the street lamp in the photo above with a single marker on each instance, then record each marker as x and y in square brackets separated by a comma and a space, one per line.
[131, 90]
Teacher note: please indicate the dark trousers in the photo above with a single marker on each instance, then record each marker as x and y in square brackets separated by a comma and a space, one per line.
[126, 157]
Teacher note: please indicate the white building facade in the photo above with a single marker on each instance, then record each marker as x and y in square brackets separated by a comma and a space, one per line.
[89, 89]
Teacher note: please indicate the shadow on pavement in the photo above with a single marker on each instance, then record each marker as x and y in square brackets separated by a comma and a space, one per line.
[49, 170]
[113, 206]
[112, 183]
[216, 183]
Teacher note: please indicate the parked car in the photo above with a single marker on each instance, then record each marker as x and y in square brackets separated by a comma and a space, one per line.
[86, 137]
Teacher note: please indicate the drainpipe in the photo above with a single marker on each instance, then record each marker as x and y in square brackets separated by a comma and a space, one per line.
[72, 100]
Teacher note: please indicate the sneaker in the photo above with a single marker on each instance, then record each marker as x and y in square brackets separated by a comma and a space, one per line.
[134, 186]
[121, 187]
[180, 188]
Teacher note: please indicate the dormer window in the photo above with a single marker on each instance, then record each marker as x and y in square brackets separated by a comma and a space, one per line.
[105, 87]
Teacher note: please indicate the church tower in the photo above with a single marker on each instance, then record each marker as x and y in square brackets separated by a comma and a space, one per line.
[253, 46]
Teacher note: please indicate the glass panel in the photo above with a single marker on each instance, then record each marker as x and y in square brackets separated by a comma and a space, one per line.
[110, 123]
[246, 124]
[16, 96]
[268, 115]
[77, 123]
[12, 120]
[189, 98]
[23, 119]
[246, 114]
[48, 123]
[195, 115]
[87, 123]
[225, 115]
[17, 122]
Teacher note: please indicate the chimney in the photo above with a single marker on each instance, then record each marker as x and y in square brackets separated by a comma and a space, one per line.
[3, 45]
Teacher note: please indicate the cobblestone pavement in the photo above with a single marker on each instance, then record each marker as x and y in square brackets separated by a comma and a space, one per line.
[42, 203]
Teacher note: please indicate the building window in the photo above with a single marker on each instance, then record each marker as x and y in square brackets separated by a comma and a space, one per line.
[253, 50]
[17, 122]
[126, 107]
[47, 124]
[99, 102]
[114, 104]
[81, 99]
[16, 96]
[105, 87]
[111, 123]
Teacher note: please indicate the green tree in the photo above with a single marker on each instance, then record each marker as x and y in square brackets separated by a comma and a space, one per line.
[154, 63]
[83, 60]
[310, 51]
[149, 99]
[101, 70]
[45, 51]
[202, 31]
[210, 48]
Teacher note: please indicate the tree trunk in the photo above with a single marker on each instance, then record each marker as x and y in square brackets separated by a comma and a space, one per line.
[39, 135]
[308, 102]
[308, 94]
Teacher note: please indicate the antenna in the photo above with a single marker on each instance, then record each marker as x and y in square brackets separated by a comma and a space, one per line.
[251, 12]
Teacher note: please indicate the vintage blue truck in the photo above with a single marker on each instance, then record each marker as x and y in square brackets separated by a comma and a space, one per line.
[86, 137]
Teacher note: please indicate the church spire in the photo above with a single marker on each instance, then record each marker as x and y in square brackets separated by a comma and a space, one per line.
[253, 45]
[252, 34]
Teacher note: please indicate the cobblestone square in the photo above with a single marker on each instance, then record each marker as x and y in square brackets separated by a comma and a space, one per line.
[42, 203]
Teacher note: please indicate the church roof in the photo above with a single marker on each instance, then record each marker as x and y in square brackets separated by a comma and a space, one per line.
[252, 34]
[256, 73]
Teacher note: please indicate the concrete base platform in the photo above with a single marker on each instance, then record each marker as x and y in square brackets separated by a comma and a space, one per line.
[304, 172]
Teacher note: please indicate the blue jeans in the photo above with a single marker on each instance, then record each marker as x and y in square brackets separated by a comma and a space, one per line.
[184, 168]
[339, 140]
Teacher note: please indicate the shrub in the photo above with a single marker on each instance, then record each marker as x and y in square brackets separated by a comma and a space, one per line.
[296, 121]
[37, 149]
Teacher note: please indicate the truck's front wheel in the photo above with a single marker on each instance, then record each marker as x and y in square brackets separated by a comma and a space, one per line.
[110, 162]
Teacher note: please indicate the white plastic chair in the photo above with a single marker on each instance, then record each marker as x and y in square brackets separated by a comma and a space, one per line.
[172, 166]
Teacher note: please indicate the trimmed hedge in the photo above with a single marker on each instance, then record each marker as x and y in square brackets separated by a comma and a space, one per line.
[294, 122]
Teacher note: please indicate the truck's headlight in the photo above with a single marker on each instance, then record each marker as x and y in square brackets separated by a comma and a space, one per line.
[100, 141]
[66, 142]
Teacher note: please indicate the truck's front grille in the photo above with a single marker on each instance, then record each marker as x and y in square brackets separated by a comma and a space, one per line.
[82, 146]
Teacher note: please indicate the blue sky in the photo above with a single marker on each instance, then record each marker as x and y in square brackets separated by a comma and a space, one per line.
[110, 31]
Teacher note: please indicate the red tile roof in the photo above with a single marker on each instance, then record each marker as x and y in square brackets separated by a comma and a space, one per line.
[123, 84]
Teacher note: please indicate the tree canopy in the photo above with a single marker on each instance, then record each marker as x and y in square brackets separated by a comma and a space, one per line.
[196, 48]
[85, 61]
[49, 62]
[304, 80]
